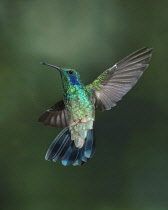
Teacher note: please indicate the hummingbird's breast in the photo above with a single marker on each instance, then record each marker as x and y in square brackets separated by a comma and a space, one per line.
[79, 105]
[81, 113]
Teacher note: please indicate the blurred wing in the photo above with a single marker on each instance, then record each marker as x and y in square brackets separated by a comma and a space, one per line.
[116, 81]
[55, 116]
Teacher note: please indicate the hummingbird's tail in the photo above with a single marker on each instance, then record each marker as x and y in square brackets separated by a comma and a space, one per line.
[64, 149]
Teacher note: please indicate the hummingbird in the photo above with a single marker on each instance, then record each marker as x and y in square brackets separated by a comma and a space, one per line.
[75, 113]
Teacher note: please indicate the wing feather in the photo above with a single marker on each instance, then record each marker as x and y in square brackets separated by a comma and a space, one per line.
[55, 116]
[116, 81]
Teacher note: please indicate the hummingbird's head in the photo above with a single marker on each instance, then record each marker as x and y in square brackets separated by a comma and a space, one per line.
[69, 76]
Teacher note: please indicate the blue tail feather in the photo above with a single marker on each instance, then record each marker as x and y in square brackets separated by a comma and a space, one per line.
[74, 155]
[57, 144]
[93, 149]
[82, 154]
[70, 156]
[63, 148]
[79, 160]
[66, 156]
[89, 144]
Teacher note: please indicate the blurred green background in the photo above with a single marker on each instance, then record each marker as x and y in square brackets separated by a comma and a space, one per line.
[129, 170]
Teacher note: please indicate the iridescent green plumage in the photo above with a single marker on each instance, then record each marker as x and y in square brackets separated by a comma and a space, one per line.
[76, 112]
[81, 112]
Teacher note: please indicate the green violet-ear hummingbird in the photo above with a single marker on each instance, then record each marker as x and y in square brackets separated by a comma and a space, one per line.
[76, 112]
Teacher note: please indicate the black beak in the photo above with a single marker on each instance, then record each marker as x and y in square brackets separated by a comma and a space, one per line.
[56, 67]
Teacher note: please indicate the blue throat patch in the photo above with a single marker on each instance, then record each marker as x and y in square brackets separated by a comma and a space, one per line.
[74, 80]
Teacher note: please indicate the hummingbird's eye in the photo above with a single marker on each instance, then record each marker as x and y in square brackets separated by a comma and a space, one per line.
[70, 72]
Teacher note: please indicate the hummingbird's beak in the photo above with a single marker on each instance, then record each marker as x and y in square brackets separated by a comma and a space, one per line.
[56, 67]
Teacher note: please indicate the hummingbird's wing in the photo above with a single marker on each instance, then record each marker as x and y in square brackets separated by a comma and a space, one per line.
[116, 81]
[55, 116]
